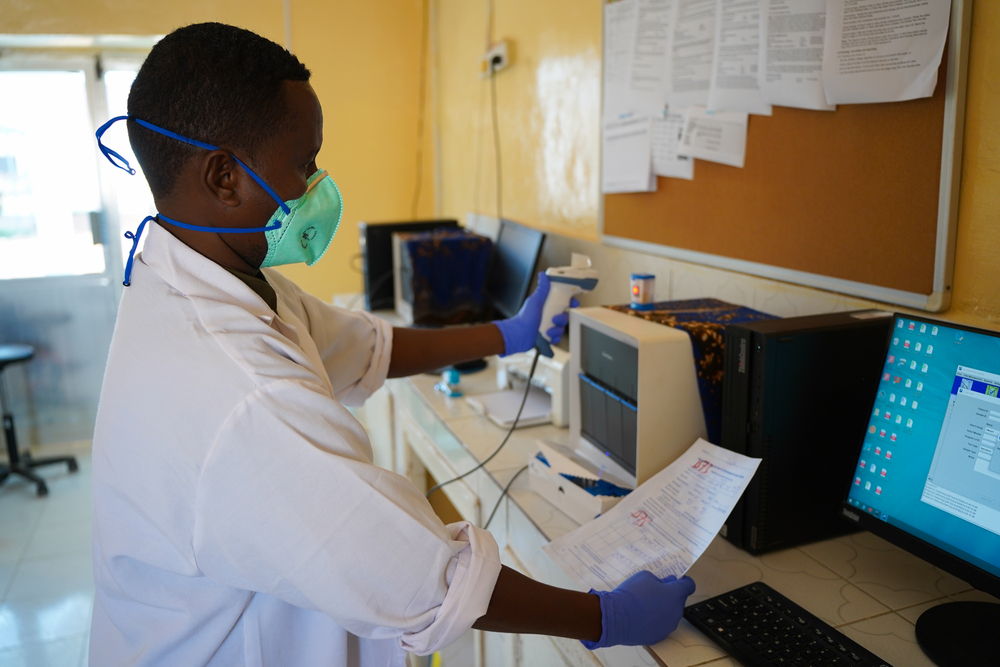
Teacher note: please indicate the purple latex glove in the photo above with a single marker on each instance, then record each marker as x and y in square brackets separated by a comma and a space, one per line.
[520, 332]
[643, 610]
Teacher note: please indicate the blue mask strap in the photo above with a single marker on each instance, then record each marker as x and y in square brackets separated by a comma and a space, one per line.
[135, 244]
[267, 188]
[111, 154]
[117, 160]
[210, 147]
[220, 230]
[198, 228]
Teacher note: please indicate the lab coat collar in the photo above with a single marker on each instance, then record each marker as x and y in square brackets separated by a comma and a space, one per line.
[194, 275]
[223, 300]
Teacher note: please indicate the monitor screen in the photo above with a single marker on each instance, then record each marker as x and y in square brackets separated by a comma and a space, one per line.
[930, 460]
[376, 254]
[515, 255]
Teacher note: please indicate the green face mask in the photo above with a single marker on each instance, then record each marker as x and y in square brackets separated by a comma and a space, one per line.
[305, 232]
[299, 231]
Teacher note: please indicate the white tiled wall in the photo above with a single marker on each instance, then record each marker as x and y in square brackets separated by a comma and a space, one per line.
[681, 280]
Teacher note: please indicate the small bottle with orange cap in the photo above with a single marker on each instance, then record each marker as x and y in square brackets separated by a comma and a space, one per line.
[641, 291]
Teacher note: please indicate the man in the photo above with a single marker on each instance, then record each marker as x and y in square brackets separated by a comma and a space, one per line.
[238, 517]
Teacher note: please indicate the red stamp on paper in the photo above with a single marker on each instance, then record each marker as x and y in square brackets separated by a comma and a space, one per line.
[702, 466]
[640, 518]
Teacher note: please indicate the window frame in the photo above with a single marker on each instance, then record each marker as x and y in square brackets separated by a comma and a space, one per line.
[93, 55]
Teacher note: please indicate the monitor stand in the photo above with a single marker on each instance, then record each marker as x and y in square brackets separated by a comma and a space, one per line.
[471, 366]
[960, 633]
[463, 367]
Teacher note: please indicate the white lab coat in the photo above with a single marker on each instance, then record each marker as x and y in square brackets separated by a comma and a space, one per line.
[238, 518]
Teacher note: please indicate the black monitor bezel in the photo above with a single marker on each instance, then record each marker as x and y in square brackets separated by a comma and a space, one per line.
[524, 289]
[974, 575]
[376, 255]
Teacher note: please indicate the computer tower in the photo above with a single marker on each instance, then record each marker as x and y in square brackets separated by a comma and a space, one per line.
[376, 257]
[796, 393]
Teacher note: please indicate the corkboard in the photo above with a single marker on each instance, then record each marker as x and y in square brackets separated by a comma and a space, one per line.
[850, 194]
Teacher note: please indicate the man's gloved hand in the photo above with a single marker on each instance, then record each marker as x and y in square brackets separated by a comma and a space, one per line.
[643, 610]
[521, 331]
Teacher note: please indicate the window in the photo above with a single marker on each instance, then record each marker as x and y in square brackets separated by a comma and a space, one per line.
[49, 190]
[63, 212]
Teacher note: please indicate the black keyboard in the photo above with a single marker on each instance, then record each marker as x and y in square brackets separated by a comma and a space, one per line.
[759, 626]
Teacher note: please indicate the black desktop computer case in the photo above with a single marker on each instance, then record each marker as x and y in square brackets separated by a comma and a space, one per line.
[796, 393]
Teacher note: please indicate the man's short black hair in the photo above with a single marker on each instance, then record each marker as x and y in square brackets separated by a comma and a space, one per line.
[212, 82]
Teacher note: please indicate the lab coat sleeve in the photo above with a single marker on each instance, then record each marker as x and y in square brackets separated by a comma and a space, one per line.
[288, 505]
[355, 346]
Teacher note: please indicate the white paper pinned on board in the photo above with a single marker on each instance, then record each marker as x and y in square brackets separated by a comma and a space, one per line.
[792, 74]
[667, 130]
[883, 50]
[664, 525]
[627, 161]
[620, 25]
[691, 52]
[716, 137]
[735, 84]
[649, 78]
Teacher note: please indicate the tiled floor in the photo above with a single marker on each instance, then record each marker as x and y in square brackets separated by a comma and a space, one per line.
[46, 587]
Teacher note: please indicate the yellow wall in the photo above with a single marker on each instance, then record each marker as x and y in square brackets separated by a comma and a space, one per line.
[977, 278]
[363, 56]
[366, 69]
[549, 104]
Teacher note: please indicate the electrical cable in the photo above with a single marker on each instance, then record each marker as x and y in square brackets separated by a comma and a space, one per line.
[490, 18]
[478, 176]
[502, 496]
[422, 103]
[510, 431]
[496, 142]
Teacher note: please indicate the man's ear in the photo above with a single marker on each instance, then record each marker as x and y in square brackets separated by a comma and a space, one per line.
[221, 176]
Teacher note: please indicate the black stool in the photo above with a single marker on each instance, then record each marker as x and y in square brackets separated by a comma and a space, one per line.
[21, 464]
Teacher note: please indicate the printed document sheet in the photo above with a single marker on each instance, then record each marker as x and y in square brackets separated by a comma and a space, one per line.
[883, 50]
[735, 84]
[664, 525]
[667, 131]
[692, 50]
[627, 155]
[620, 26]
[716, 137]
[649, 78]
[793, 53]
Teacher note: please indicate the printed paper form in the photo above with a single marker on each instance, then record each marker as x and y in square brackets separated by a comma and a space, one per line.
[883, 50]
[735, 84]
[650, 75]
[620, 25]
[793, 53]
[627, 160]
[716, 137]
[667, 131]
[692, 49]
[664, 525]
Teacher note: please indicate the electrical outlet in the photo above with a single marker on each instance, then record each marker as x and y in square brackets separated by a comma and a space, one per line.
[496, 59]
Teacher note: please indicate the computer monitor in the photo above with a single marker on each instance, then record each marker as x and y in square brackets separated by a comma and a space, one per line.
[376, 256]
[515, 256]
[928, 474]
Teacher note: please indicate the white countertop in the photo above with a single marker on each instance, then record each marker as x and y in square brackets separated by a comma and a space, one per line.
[867, 588]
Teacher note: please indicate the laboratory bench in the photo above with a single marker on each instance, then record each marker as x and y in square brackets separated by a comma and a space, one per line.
[860, 584]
